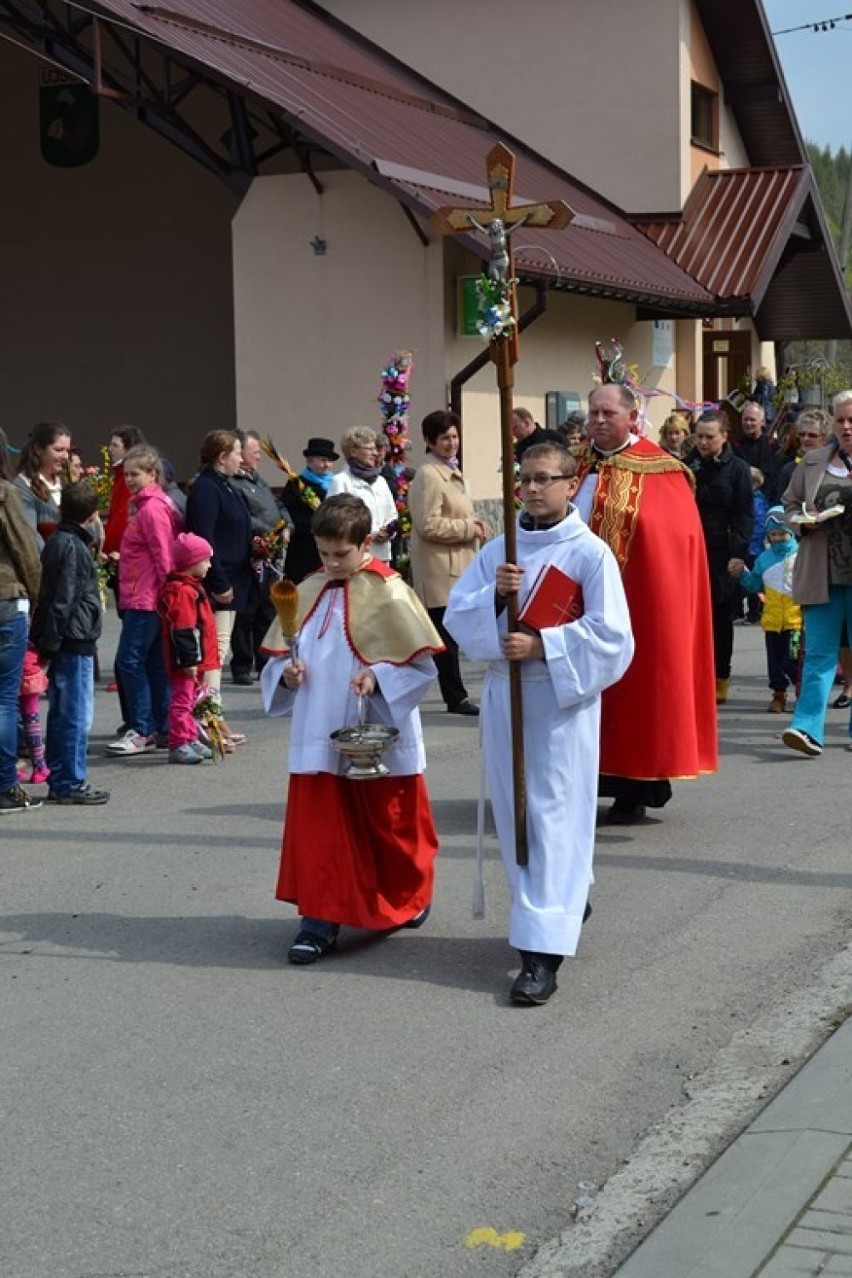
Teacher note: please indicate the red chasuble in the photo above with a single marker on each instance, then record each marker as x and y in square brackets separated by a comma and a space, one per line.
[659, 721]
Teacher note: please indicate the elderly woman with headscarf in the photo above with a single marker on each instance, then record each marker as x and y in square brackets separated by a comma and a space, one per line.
[301, 498]
[362, 477]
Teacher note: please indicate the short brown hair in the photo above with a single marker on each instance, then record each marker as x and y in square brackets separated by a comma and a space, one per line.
[78, 502]
[436, 424]
[550, 448]
[343, 518]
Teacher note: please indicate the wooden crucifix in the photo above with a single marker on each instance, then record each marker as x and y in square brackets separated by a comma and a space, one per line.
[498, 222]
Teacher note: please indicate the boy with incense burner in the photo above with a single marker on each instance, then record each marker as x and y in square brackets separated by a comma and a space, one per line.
[354, 853]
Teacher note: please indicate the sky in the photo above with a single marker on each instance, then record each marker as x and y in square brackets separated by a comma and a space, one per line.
[816, 66]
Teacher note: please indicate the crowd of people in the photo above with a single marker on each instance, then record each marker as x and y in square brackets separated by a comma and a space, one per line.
[621, 543]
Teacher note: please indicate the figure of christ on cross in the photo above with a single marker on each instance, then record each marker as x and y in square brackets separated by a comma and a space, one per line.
[499, 221]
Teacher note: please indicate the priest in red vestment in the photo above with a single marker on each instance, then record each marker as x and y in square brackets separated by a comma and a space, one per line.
[659, 721]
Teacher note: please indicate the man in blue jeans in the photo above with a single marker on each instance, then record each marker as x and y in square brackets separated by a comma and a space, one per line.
[20, 575]
[66, 627]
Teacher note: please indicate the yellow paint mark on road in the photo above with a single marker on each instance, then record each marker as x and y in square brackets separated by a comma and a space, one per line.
[488, 1237]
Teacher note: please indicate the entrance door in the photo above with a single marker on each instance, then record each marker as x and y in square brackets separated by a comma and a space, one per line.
[727, 358]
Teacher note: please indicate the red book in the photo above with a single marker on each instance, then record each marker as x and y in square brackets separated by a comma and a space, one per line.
[554, 600]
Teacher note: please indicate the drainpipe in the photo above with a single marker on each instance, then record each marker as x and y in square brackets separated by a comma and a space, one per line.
[464, 375]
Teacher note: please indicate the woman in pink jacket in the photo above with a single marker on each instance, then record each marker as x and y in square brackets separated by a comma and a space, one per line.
[146, 557]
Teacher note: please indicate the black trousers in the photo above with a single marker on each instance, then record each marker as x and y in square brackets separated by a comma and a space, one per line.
[246, 637]
[449, 673]
[781, 666]
[723, 638]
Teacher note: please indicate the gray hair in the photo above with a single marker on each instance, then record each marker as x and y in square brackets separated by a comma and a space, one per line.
[357, 437]
[816, 417]
[842, 397]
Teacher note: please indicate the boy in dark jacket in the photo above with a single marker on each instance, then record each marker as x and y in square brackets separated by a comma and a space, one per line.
[65, 629]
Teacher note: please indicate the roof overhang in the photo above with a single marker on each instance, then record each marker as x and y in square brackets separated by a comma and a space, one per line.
[758, 241]
[289, 69]
[754, 86]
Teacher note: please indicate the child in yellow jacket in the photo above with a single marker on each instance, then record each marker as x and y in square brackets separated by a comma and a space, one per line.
[772, 576]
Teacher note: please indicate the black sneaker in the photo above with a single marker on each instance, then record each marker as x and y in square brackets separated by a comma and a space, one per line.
[801, 741]
[16, 799]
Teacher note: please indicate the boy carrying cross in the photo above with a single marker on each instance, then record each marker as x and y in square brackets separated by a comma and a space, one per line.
[574, 640]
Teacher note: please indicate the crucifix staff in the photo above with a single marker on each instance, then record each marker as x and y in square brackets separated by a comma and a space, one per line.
[500, 325]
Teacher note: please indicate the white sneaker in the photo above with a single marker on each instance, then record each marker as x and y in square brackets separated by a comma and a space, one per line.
[132, 743]
[201, 749]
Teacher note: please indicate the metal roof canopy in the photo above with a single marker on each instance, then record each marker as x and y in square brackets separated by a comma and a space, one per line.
[757, 239]
[238, 87]
[279, 75]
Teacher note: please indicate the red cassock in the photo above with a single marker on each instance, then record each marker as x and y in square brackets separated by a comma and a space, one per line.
[659, 721]
[361, 853]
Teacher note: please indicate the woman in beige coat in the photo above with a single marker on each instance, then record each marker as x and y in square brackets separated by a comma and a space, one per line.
[444, 533]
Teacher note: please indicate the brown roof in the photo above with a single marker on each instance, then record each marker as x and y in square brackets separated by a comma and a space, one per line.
[757, 240]
[749, 242]
[402, 133]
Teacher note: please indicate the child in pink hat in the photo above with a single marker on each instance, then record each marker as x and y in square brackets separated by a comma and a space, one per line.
[191, 647]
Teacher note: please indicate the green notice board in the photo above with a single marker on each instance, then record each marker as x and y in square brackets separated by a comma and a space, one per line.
[467, 307]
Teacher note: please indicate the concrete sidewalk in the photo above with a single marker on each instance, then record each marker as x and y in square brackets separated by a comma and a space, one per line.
[778, 1202]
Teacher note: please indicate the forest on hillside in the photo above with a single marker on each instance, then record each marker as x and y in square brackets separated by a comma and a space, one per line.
[831, 170]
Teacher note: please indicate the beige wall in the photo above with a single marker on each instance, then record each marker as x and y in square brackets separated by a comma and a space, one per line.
[592, 84]
[314, 332]
[115, 303]
[557, 353]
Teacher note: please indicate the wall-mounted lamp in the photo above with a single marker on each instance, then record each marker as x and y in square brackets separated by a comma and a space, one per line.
[319, 246]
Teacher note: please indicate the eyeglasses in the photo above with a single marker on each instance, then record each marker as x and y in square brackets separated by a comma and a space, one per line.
[540, 481]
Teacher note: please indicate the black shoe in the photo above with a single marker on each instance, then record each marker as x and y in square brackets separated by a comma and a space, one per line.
[310, 946]
[536, 981]
[85, 794]
[419, 919]
[464, 707]
[587, 913]
[801, 741]
[841, 702]
[623, 813]
[16, 799]
[242, 678]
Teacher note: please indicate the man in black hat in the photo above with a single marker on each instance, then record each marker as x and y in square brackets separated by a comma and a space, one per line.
[301, 497]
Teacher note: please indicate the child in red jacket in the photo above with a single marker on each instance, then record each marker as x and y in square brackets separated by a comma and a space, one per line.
[189, 634]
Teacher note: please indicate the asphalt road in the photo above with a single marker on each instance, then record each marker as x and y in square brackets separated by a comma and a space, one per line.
[179, 1102]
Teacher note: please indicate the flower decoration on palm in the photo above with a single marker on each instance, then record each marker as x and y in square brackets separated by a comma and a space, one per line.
[267, 550]
[494, 316]
[394, 402]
